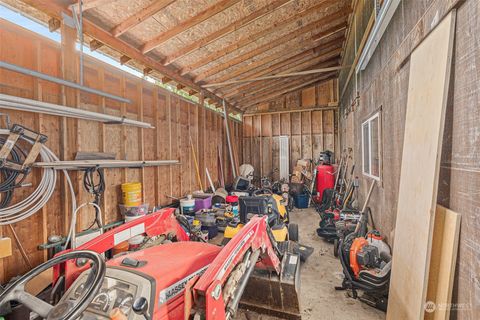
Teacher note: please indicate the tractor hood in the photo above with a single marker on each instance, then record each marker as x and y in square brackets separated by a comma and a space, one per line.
[170, 265]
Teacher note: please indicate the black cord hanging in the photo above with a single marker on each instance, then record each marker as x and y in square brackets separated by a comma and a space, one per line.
[94, 183]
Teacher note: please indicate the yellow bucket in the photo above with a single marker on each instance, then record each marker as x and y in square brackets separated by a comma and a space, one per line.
[132, 194]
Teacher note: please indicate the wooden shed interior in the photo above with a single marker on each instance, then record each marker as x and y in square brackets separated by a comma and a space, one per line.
[204, 86]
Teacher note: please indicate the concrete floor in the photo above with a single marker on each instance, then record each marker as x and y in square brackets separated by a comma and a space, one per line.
[319, 275]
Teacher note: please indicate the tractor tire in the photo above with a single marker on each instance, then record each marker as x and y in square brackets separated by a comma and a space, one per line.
[335, 248]
[293, 232]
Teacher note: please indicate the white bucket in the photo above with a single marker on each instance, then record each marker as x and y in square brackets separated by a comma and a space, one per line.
[187, 206]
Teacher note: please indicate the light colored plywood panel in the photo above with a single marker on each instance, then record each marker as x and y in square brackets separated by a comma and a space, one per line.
[446, 232]
[430, 65]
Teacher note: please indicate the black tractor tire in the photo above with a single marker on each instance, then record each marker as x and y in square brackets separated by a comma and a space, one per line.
[335, 248]
[293, 232]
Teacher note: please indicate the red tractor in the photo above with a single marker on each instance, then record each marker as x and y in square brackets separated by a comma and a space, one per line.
[177, 279]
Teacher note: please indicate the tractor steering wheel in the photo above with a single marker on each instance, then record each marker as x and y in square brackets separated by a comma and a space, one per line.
[65, 309]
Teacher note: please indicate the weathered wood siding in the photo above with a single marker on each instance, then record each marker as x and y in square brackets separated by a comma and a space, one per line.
[309, 131]
[384, 85]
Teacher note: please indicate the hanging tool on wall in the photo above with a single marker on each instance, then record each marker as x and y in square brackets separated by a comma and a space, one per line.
[197, 170]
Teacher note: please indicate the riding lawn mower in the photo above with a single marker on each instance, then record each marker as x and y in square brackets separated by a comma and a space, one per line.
[172, 278]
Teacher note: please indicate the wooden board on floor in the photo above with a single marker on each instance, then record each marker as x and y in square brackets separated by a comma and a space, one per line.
[446, 232]
[430, 66]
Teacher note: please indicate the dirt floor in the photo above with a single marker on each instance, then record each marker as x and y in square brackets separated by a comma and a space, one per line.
[319, 275]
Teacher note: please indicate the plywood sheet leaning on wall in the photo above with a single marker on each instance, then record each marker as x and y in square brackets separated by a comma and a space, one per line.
[446, 232]
[430, 66]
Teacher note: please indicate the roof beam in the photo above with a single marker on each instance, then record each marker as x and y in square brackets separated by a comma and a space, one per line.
[276, 86]
[54, 9]
[270, 45]
[181, 27]
[333, 44]
[279, 93]
[265, 10]
[254, 37]
[253, 88]
[140, 16]
[276, 76]
[282, 66]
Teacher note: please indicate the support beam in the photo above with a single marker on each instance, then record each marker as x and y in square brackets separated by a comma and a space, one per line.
[235, 26]
[54, 24]
[140, 16]
[124, 59]
[328, 33]
[54, 9]
[276, 76]
[181, 27]
[248, 104]
[322, 5]
[166, 80]
[95, 44]
[255, 87]
[295, 35]
[147, 71]
[324, 60]
[325, 48]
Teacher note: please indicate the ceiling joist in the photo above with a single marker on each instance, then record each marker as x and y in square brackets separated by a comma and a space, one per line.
[269, 46]
[140, 16]
[267, 9]
[322, 5]
[181, 27]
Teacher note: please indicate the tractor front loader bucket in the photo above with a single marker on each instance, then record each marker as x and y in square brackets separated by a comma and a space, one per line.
[269, 293]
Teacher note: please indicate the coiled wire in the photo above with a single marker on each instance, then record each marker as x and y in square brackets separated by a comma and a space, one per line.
[40, 196]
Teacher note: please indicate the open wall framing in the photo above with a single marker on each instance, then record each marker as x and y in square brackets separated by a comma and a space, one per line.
[174, 118]
[384, 83]
[307, 117]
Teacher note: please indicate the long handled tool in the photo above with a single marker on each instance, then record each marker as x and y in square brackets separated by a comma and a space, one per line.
[196, 165]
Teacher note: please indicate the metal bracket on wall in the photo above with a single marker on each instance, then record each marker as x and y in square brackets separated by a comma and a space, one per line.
[16, 132]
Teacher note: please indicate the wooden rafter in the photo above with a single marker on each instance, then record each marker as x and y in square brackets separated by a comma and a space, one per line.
[54, 9]
[95, 44]
[276, 86]
[181, 27]
[267, 9]
[247, 104]
[283, 66]
[254, 37]
[270, 45]
[140, 16]
[276, 76]
[254, 88]
[335, 43]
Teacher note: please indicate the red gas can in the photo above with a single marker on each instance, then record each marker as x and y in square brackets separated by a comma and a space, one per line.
[325, 179]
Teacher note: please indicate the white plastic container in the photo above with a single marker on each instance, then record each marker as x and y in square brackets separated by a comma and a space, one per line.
[187, 206]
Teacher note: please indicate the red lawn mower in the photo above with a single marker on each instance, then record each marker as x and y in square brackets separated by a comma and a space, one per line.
[174, 279]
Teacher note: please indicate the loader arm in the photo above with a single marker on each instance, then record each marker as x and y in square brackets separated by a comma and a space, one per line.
[217, 292]
[157, 223]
